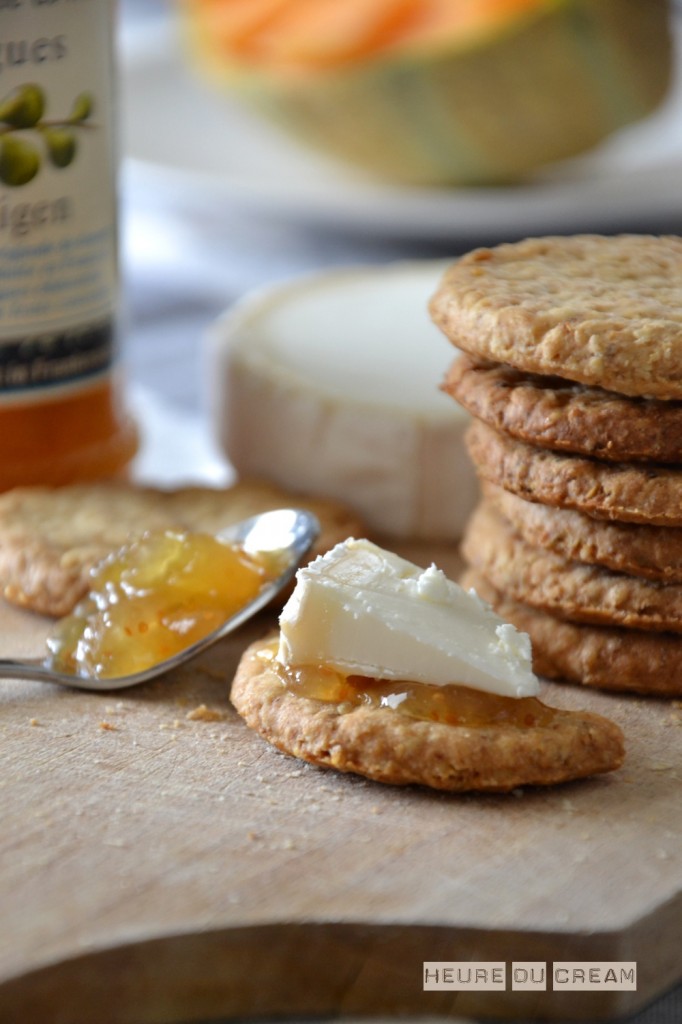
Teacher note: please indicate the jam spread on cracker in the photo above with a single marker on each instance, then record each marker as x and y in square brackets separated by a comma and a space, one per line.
[449, 705]
[157, 596]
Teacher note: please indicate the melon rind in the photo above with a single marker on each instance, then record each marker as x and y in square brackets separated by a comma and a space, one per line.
[542, 88]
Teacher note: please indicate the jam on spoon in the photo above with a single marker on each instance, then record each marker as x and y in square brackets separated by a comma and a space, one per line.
[154, 598]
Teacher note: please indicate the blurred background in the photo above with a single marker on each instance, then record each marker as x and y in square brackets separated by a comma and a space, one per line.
[216, 202]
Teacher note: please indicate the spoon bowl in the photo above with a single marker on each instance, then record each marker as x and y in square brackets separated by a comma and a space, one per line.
[287, 533]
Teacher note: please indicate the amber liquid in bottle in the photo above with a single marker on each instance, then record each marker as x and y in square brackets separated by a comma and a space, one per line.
[61, 413]
[86, 436]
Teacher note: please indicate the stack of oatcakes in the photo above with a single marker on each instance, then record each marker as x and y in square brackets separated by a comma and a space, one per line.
[572, 368]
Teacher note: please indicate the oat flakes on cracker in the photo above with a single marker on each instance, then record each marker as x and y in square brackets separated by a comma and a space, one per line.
[559, 414]
[648, 493]
[652, 552]
[568, 590]
[361, 677]
[603, 311]
[386, 746]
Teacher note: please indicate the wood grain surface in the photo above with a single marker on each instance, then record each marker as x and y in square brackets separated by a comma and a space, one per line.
[161, 865]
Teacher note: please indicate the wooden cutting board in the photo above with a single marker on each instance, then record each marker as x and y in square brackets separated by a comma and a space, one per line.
[161, 864]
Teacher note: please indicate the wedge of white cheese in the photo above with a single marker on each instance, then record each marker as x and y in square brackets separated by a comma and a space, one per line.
[365, 611]
[330, 386]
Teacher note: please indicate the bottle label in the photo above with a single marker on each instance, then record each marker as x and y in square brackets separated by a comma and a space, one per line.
[58, 274]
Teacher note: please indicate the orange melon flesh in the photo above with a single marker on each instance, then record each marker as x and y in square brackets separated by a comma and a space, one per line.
[316, 34]
[458, 19]
[233, 23]
[237, 19]
[326, 33]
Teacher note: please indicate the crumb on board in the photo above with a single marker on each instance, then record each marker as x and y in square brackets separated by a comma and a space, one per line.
[204, 714]
[107, 726]
[33, 721]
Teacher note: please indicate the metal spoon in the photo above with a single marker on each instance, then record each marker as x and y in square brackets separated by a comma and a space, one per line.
[287, 532]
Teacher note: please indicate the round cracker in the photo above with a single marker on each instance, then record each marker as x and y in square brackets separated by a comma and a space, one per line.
[50, 538]
[631, 493]
[383, 745]
[603, 311]
[652, 552]
[570, 590]
[596, 656]
[565, 416]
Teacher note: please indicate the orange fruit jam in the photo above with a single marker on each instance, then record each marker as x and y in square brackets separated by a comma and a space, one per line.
[450, 705]
[154, 598]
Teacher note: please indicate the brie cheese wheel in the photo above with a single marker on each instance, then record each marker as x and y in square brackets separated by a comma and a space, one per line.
[365, 611]
[330, 387]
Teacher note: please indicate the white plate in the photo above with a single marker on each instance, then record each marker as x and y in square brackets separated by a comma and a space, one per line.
[218, 153]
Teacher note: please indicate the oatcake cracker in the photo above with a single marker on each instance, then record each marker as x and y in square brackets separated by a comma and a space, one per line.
[384, 745]
[605, 658]
[569, 590]
[50, 538]
[603, 311]
[629, 493]
[565, 416]
[652, 552]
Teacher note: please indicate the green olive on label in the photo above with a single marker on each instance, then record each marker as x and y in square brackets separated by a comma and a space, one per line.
[61, 146]
[23, 107]
[19, 161]
[82, 107]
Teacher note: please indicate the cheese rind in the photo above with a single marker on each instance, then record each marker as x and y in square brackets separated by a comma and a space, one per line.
[365, 611]
[329, 386]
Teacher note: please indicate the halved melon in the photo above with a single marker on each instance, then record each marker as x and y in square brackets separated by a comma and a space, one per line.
[440, 91]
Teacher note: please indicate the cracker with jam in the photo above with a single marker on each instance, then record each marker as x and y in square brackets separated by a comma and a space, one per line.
[408, 731]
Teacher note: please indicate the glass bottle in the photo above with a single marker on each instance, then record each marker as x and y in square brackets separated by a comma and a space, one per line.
[61, 414]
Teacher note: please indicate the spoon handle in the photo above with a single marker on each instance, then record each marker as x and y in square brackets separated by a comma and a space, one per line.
[31, 668]
[35, 670]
